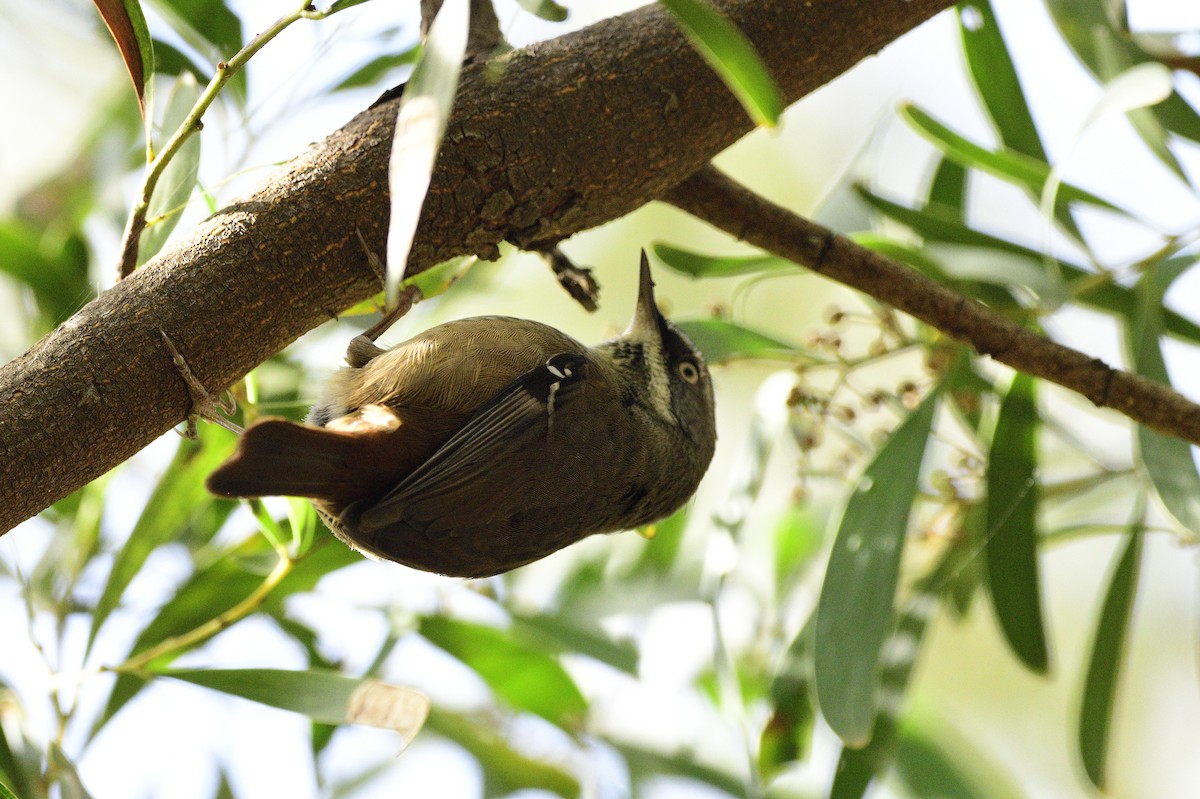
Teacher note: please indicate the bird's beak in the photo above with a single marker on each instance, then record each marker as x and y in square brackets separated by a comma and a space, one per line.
[647, 320]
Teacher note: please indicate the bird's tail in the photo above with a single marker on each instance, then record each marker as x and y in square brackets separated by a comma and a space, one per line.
[280, 458]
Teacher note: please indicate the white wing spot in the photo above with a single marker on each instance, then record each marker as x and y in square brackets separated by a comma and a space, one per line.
[555, 371]
[550, 403]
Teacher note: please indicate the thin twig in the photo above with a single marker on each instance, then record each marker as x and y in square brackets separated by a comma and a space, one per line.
[717, 199]
[192, 124]
[137, 663]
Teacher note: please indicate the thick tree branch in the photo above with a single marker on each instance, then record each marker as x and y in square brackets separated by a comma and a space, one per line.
[573, 133]
[718, 200]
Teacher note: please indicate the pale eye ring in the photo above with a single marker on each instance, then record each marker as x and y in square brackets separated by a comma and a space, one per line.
[689, 372]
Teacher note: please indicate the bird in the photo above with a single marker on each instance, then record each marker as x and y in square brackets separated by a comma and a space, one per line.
[486, 443]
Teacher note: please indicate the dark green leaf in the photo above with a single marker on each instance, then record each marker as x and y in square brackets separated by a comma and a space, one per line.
[205, 21]
[555, 633]
[1108, 651]
[697, 264]
[731, 56]
[995, 76]
[546, 9]
[786, 736]
[1010, 165]
[170, 60]
[178, 501]
[721, 341]
[854, 613]
[1167, 460]
[948, 189]
[525, 678]
[505, 770]
[373, 72]
[56, 273]
[928, 770]
[322, 696]
[1012, 505]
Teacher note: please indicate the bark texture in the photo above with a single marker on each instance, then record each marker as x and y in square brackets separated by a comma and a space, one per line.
[573, 133]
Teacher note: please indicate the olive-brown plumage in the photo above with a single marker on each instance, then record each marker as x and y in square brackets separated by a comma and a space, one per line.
[483, 444]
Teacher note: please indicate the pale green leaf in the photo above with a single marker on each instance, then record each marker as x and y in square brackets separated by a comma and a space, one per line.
[731, 56]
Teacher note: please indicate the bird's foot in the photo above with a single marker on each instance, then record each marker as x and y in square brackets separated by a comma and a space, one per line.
[204, 405]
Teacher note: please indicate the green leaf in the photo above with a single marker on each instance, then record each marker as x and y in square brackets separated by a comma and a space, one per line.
[217, 588]
[660, 551]
[785, 738]
[696, 264]
[1012, 505]
[1108, 651]
[797, 538]
[556, 633]
[178, 178]
[644, 763]
[854, 613]
[420, 125]
[56, 272]
[127, 24]
[928, 770]
[1027, 172]
[721, 341]
[936, 223]
[204, 22]
[505, 770]
[170, 60]
[995, 76]
[1167, 460]
[546, 9]
[1092, 34]
[5, 793]
[948, 188]
[731, 56]
[178, 501]
[525, 678]
[66, 775]
[321, 695]
[374, 71]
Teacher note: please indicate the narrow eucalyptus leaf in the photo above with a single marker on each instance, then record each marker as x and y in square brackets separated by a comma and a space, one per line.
[1108, 651]
[854, 612]
[1012, 505]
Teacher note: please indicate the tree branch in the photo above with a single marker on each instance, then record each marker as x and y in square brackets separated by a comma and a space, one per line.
[723, 203]
[575, 132]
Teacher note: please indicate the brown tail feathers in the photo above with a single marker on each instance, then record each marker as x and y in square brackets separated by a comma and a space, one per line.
[280, 458]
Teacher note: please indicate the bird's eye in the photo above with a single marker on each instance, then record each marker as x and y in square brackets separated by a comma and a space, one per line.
[689, 372]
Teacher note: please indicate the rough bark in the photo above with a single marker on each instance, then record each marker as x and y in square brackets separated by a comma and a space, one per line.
[573, 133]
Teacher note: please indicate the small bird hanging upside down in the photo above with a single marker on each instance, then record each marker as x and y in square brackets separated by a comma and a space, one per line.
[484, 444]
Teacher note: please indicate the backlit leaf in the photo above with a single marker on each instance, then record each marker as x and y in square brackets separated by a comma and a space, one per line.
[731, 56]
[854, 613]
